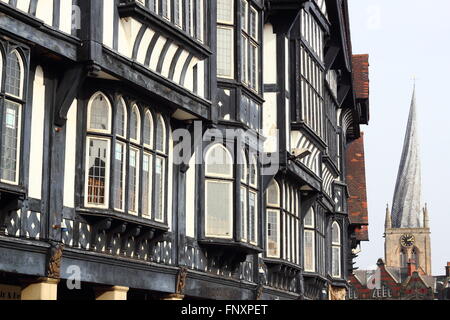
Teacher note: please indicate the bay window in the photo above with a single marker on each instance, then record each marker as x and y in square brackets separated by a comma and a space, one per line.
[219, 192]
[139, 167]
[11, 108]
[336, 250]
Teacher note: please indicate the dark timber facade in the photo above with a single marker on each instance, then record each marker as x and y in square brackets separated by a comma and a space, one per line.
[91, 96]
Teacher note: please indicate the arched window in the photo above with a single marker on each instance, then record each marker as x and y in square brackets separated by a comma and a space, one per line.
[11, 115]
[99, 114]
[135, 124]
[148, 130]
[273, 235]
[219, 192]
[309, 241]
[161, 134]
[336, 250]
[121, 118]
[98, 151]
[14, 74]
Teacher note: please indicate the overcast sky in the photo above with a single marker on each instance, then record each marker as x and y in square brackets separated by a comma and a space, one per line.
[406, 38]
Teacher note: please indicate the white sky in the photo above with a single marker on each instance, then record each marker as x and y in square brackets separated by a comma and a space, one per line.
[406, 38]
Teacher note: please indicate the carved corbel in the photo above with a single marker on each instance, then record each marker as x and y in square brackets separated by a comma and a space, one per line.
[100, 226]
[131, 232]
[54, 260]
[118, 229]
[181, 280]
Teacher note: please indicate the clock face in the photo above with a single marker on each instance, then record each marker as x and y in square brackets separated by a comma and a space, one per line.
[407, 240]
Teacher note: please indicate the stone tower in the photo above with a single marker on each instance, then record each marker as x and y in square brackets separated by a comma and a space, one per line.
[407, 230]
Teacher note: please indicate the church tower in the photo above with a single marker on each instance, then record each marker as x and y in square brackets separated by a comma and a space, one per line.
[407, 230]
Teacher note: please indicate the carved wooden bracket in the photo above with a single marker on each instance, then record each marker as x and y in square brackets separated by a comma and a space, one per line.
[67, 90]
[100, 226]
[54, 260]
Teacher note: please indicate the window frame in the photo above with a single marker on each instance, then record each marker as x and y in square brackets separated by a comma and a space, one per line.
[19, 101]
[336, 245]
[310, 229]
[276, 209]
[218, 178]
[90, 137]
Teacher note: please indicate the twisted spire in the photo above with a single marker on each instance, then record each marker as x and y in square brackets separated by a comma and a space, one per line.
[406, 207]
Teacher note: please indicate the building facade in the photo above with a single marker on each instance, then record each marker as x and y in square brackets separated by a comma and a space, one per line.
[119, 179]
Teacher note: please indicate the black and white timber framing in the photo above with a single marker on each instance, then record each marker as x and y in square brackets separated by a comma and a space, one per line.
[133, 218]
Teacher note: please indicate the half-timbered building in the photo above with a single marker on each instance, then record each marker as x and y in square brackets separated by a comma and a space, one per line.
[94, 200]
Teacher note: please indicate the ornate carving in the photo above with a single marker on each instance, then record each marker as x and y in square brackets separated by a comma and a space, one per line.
[54, 263]
[181, 280]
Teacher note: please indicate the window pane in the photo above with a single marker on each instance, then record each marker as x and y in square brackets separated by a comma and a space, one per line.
[133, 179]
[253, 26]
[119, 178]
[148, 130]
[309, 251]
[273, 194]
[99, 114]
[13, 75]
[152, 5]
[219, 162]
[309, 218]
[159, 188]
[244, 213]
[134, 124]
[336, 261]
[273, 240]
[161, 135]
[147, 185]
[219, 206]
[121, 119]
[10, 141]
[252, 64]
[177, 12]
[244, 14]
[225, 10]
[164, 10]
[253, 173]
[97, 170]
[224, 52]
[244, 58]
[335, 234]
[252, 217]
